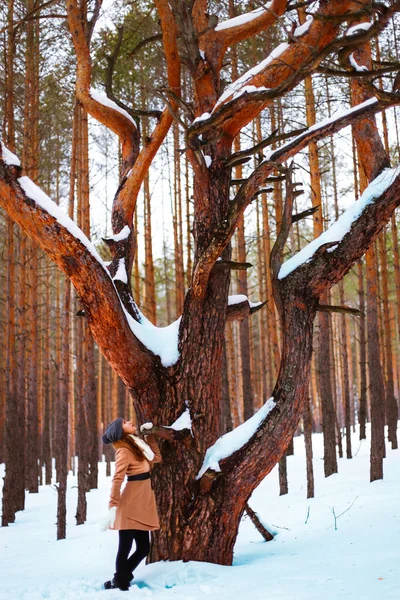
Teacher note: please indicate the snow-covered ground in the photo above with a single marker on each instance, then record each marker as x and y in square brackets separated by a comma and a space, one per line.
[308, 560]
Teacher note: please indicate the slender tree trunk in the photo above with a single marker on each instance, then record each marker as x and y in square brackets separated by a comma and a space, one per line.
[10, 490]
[30, 161]
[81, 384]
[307, 422]
[226, 417]
[362, 415]
[391, 401]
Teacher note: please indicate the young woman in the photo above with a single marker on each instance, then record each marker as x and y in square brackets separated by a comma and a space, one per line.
[133, 512]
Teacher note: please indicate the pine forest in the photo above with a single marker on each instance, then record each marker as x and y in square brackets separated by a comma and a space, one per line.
[200, 246]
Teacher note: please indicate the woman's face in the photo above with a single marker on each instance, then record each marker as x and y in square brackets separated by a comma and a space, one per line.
[128, 427]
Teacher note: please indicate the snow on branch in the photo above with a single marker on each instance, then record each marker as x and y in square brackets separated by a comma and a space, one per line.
[9, 158]
[234, 440]
[302, 29]
[342, 226]
[121, 274]
[236, 88]
[240, 307]
[239, 298]
[244, 19]
[161, 341]
[105, 101]
[122, 235]
[182, 422]
[34, 192]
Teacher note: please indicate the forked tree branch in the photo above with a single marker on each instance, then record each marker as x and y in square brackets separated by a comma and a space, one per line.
[248, 190]
[106, 317]
[125, 201]
[286, 69]
[122, 125]
[216, 41]
[301, 289]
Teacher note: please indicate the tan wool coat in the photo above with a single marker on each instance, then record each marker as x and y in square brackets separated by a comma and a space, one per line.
[136, 505]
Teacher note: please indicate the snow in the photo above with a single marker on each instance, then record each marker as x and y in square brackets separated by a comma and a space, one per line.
[302, 29]
[306, 560]
[207, 160]
[235, 86]
[355, 64]
[102, 99]
[247, 89]
[121, 274]
[359, 27]
[202, 117]
[243, 19]
[122, 235]
[238, 298]
[35, 193]
[8, 157]
[235, 439]
[340, 114]
[338, 230]
[162, 341]
[182, 422]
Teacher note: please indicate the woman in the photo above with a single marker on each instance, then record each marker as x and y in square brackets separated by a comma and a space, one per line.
[134, 512]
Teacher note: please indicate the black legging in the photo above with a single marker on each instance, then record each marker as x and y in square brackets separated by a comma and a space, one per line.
[124, 564]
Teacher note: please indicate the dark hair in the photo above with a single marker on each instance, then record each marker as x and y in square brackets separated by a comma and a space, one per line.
[128, 442]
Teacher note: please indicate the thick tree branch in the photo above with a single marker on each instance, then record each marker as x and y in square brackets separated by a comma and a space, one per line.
[300, 291]
[285, 68]
[72, 252]
[121, 124]
[240, 310]
[330, 265]
[248, 190]
[215, 42]
[125, 201]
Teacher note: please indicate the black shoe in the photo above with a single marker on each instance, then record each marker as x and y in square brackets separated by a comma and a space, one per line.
[119, 583]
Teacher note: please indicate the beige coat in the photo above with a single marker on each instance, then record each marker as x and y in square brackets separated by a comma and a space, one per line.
[136, 505]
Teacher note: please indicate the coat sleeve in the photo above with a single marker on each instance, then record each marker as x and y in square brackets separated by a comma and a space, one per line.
[151, 441]
[122, 459]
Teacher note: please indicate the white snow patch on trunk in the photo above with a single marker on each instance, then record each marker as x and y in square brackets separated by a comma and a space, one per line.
[121, 274]
[338, 230]
[207, 160]
[122, 235]
[182, 422]
[162, 341]
[237, 299]
[234, 440]
[37, 195]
[9, 158]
